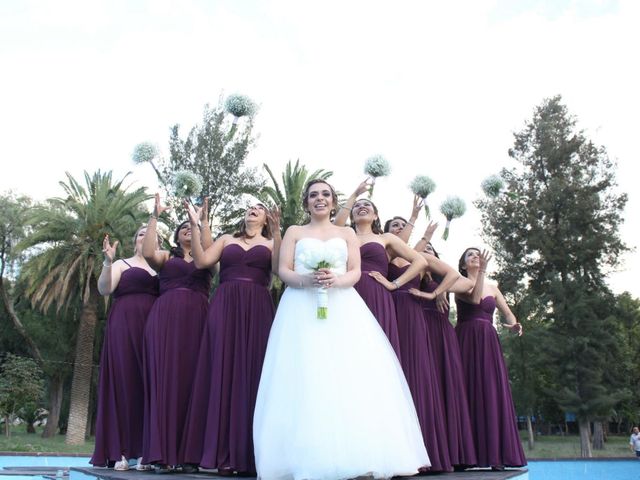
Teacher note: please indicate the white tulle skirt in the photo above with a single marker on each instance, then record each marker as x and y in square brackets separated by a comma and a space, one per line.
[333, 402]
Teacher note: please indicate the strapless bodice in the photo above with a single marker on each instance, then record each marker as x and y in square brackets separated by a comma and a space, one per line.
[310, 251]
[252, 265]
[483, 311]
[374, 258]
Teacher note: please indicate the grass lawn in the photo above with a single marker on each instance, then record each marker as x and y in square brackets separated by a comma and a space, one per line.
[20, 441]
[551, 446]
[555, 446]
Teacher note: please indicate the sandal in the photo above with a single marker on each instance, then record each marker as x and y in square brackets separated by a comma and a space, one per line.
[122, 465]
[143, 467]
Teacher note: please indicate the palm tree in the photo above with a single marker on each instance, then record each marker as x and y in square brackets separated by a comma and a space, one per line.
[66, 249]
[289, 196]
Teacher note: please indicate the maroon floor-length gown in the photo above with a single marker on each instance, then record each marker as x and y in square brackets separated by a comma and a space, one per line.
[379, 300]
[171, 345]
[447, 364]
[493, 416]
[119, 421]
[418, 367]
[219, 432]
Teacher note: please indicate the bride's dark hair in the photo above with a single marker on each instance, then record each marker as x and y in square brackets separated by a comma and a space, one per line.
[311, 183]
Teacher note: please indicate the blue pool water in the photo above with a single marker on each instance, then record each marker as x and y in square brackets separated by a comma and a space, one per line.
[584, 470]
[44, 461]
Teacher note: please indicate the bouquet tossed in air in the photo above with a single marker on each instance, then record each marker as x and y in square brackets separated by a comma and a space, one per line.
[452, 207]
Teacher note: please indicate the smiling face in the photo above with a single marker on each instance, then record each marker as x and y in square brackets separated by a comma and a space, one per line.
[184, 235]
[364, 211]
[395, 225]
[256, 214]
[469, 260]
[319, 198]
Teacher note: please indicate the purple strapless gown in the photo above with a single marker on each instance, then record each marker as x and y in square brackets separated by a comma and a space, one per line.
[171, 344]
[493, 417]
[119, 422]
[418, 367]
[219, 432]
[379, 300]
[447, 364]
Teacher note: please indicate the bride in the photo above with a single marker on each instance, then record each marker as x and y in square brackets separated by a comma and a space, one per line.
[333, 402]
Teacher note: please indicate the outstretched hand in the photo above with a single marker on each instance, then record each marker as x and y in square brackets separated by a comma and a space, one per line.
[485, 257]
[158, 207]
[273, 217]
[363, 187]
[418, 203]
[109, 250]
[195, 213]
[515, 328]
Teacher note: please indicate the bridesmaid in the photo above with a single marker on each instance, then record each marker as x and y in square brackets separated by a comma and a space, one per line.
[376, 248]
[171, 342]
[119, 423]
[493, 417]
[233, 344]
[447, 362]
[415, 347]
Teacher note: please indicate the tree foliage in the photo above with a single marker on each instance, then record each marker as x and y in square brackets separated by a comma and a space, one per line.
[556, 235]
[216, 150]
[21, 385]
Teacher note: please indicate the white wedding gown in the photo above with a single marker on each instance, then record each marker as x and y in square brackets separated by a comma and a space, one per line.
[333, 402]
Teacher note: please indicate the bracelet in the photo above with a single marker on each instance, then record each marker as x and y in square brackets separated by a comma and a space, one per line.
[104, 264]
[409, 223]
[425, 239]
[395, 282]
[152, 216]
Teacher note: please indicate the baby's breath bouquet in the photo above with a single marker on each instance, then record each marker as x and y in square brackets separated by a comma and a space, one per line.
[423, 186]
[187, 184]
[239, 106]
[452, 207]
[314, 260]
[492, 186]
[146, 152]
[376, 166]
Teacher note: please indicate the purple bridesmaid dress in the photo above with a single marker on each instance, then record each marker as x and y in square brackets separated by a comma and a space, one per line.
[493, 417]
[379, 300]
[447, 364]
[171, 344]
[119, 422]
[220, 428]
[418, 367]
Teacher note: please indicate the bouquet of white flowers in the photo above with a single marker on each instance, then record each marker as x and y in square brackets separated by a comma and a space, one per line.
[423, 186]
[376, 166]
[452, 207]
[315, 260]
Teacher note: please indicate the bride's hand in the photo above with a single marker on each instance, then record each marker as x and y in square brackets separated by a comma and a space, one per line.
[325, 278]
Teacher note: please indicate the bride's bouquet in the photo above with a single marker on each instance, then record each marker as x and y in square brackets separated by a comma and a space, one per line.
[315, 260]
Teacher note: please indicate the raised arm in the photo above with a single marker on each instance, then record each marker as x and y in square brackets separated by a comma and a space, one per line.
[203, 258]
[411, 223]
[475, 296]
[154, 257]
[206, 239]
[426, 237]
[110, 274]
[343, 213]
[273, 217]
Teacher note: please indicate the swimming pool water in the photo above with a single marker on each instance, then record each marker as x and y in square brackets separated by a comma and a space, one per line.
[584, 470]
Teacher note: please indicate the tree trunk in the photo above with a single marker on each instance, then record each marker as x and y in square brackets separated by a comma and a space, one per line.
[531, 437]
[7, 427]
[82, 371]
[585, 440]
[30, 428]
[598, 436]
[56, 393]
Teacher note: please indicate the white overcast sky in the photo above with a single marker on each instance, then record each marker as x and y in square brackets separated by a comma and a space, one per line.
[436, 87]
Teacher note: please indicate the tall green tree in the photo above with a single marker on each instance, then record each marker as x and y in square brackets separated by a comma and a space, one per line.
[66, 250]
[216, 150]
[557, 227]
[21, 384]
[288, 194]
